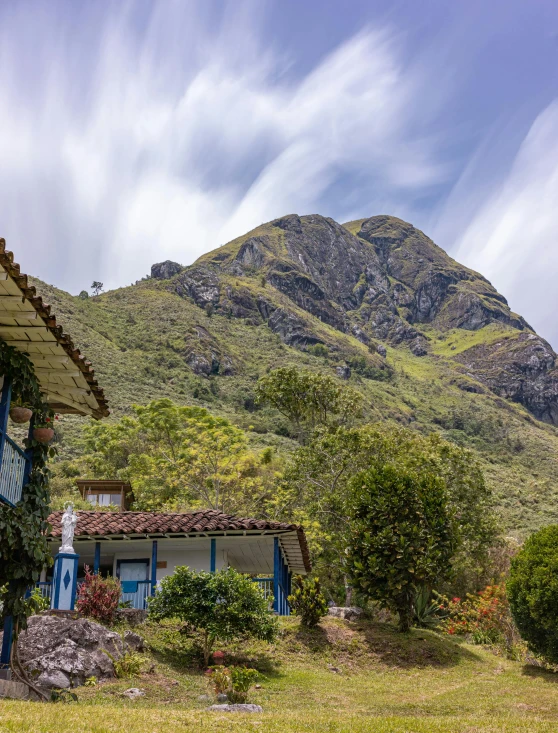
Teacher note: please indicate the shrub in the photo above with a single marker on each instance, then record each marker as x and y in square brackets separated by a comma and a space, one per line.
[403, 536]
[98, 597]
[485, 616]
[222, 605]
[130, 664]
[234, 682]
[533, 592]
[307, 601]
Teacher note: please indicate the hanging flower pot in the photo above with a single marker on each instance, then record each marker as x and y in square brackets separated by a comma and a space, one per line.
[43, 435]
[20, 415]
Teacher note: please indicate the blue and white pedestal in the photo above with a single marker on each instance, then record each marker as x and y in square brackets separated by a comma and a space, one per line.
[64, 582]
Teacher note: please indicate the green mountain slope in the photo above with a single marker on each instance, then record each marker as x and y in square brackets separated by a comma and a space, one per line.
[429, 343]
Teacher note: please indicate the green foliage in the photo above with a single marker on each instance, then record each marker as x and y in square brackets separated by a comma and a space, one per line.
[403, 535]
[178, 458]
[316, 491]
[427, 609]
[234, 682]
[130, 664]
[23, 547]
[223, 605]
[307, 601]
[96, 287]
[533, 592]
[308, 399]
[37, 602]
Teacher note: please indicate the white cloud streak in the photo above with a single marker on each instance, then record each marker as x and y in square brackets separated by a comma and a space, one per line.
[168, 144]
[512, 238]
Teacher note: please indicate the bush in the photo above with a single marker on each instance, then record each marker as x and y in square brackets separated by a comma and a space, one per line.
[307, 601]
[485, 616]
[403, 536]
[98, 597]
[222, 605]
[533, 592]
[130, 664]
[234, 682]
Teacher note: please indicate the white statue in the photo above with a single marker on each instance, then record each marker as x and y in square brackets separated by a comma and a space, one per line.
[69, 521]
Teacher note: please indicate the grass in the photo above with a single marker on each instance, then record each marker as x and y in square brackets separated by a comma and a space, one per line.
[339, 677]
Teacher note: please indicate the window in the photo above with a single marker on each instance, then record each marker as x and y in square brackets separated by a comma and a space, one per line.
[104, 499]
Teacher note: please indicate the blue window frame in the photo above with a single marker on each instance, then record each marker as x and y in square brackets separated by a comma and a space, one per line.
[15, 463]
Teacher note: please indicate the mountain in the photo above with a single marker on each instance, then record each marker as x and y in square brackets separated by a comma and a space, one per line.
[428, 342]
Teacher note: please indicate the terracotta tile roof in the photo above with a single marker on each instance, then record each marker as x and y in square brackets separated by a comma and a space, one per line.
[96, 524]
[62, 339]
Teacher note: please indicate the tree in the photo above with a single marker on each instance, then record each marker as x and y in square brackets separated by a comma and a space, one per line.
[403, 536]
[307, 601]
[84, 295]
[96, 287]
[315, 491]
[533, 592]
[308, 399]
[222, 605]
[179, 458]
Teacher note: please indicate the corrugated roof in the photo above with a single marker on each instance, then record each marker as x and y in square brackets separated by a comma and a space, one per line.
[98, 524]
[65, 376]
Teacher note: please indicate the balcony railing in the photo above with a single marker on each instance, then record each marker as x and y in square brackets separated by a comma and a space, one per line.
[12, 471]
[45, 588]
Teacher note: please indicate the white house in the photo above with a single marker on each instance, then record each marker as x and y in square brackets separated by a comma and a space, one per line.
[140, 548]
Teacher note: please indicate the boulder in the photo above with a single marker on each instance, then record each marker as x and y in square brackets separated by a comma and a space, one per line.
[134, 641]
[349, 613]
[240, 708]
[63, 652]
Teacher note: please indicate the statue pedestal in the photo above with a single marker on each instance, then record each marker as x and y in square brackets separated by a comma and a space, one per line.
[64, 583]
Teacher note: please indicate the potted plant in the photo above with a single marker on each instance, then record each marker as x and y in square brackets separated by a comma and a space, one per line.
[44, 432]
[20, 414]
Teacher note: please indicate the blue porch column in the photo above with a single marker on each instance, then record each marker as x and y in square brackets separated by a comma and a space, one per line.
[6, 651]
[153, 567]
[276, 575]
[97, 560]
[213, 556]
[64, 582]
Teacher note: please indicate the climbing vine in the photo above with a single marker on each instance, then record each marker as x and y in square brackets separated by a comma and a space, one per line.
[23, 546]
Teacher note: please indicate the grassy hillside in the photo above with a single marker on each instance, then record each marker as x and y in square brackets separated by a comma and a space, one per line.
[338, 677]
[140, 340]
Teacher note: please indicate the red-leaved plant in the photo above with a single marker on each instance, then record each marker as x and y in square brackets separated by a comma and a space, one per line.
[98, 597]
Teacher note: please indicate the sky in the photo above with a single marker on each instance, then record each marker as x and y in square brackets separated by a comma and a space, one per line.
[135, 132]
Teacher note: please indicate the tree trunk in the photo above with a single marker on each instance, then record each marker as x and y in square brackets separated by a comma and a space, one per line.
[405, 611]
[348, 592]
[206, 649]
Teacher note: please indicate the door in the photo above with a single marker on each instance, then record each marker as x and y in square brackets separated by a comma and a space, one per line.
[131, 572]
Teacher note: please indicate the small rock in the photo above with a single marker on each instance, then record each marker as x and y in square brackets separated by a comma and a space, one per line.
[204, 698]
[349, 613]
[246, 708]
[174, 683]
[134, 641]
[344, 372]
[54, 679]
[258, 687]
[221, 697]
[333, 669]
[381, 349]
[134, 693]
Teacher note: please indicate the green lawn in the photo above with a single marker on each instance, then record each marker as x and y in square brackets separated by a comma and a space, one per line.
[381, 682]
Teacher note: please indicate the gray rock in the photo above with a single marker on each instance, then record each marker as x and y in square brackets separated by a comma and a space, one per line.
[418, 347]
[165, 270]
[241, 708]
[221, 697]
[381, 350]
[63, 652]
[134, 641]
[134, 693]
[344, 372]
[349, 613]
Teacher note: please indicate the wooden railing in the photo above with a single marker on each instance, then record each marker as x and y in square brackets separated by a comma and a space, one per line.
[12, 471]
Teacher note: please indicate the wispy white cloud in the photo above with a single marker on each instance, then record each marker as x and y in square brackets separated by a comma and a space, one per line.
[167, 143]
[512, 237]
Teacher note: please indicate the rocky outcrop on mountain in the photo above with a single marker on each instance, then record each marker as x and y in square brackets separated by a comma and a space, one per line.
[165, 270]
[374, 279]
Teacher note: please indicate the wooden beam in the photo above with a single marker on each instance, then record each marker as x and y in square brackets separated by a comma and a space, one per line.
[39, 359]
[28, 342]
[46, 371]
[12, 298]
[3, 275]
[81, 407]
[23, 315]
[62, 389]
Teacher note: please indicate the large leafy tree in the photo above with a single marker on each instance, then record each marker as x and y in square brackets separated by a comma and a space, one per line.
[402, 537]
[316, 491]
[308, 399]
[222, 605]
[179, 457]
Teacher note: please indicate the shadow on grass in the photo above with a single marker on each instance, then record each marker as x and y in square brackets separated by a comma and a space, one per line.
[530, 670]
[382, 644]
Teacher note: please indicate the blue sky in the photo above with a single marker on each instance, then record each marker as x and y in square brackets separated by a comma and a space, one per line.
[133, 132]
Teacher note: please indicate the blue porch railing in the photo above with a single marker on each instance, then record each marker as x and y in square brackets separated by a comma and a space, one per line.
[136, 592]
[45, 589]
[12, 471]
[266, 584]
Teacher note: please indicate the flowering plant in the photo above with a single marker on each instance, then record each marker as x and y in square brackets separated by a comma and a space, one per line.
[98, 597]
